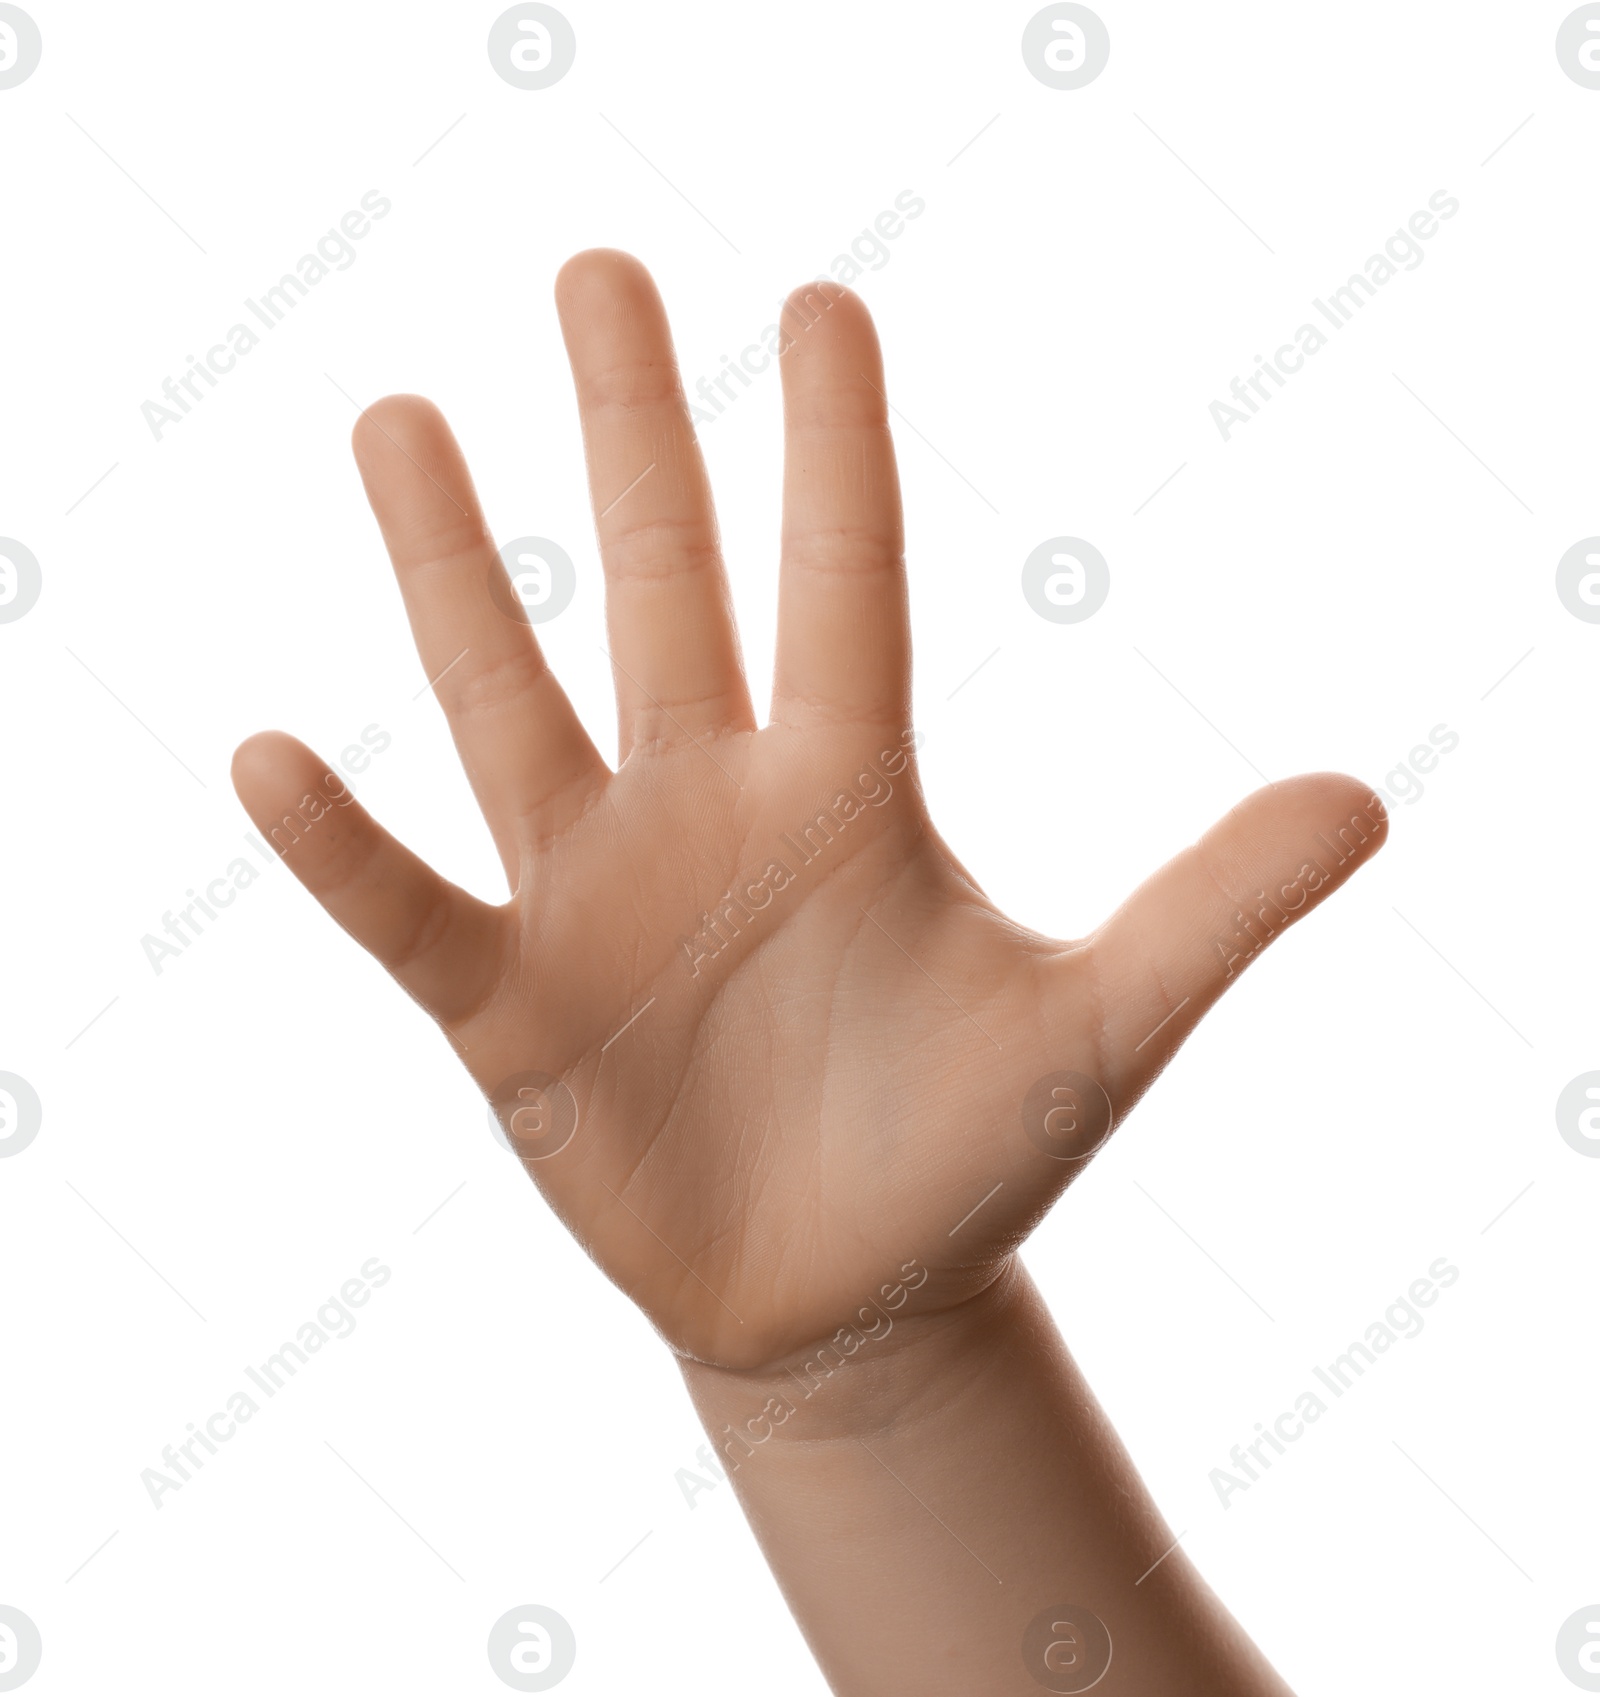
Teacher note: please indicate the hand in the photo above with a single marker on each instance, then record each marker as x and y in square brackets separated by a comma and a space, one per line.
[798, 1037]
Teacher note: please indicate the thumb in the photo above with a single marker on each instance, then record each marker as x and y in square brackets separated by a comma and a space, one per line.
[443, 945]
[1184, 936]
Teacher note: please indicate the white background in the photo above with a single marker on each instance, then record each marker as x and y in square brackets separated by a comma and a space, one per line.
[1360, 564]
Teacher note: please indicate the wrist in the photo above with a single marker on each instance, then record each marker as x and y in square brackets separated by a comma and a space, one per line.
[885, 1372]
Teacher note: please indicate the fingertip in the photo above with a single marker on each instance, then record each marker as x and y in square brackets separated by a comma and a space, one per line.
[822, 302]
[1354, 796]
[395, 421]
[599, 273]
[270, 765]
[258, 758]
[1335, 803]
[830, 360]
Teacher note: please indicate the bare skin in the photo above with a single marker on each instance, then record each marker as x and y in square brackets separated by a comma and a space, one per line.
[799, 1058]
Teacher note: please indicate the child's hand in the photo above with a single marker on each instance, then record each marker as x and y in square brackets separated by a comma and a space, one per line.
[799, 1040]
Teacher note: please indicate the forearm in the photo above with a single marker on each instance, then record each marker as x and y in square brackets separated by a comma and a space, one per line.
[952, 1485]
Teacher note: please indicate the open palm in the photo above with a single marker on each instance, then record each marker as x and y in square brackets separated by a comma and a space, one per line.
[758, 1036]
